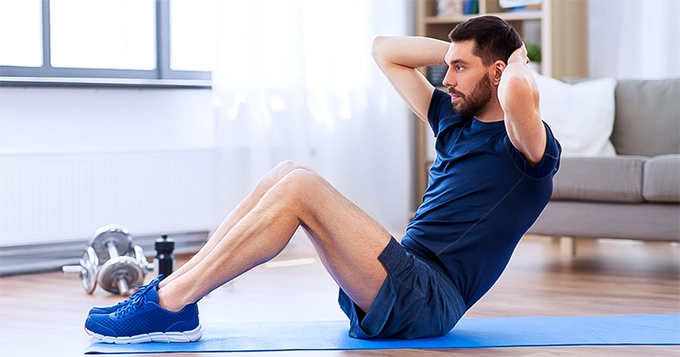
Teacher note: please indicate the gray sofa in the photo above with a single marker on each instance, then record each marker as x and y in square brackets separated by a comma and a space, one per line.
[635, 195]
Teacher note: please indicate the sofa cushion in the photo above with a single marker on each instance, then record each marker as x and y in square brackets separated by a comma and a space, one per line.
[581, 116]
[607, 179]
[647, 117]
[661, 180]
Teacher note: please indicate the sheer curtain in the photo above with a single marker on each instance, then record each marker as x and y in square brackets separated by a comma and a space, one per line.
[295, 80]
[634, 38]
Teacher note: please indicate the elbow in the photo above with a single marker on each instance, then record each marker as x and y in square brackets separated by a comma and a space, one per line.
[377, 48]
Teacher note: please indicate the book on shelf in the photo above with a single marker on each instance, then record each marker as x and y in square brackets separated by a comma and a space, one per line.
[471, 7]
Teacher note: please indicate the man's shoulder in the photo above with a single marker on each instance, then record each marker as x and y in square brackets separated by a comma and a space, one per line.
[441, 113]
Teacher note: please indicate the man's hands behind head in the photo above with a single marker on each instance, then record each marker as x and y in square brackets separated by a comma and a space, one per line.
[519, 55]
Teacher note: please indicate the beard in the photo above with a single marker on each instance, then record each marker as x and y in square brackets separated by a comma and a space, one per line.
[470, 105]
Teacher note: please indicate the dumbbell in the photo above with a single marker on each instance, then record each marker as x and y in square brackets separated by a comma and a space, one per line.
[112, 243]
[124, 265]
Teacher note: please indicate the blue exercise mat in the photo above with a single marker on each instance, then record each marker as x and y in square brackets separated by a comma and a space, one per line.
[469, 333]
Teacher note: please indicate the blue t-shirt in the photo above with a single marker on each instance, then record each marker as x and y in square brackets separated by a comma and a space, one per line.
[481, 198]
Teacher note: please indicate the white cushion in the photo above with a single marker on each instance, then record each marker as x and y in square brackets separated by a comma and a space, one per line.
[581, 115]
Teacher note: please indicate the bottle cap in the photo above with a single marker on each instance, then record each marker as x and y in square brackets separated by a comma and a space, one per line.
[164, 244]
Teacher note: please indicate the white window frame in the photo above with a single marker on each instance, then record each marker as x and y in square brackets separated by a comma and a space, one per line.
[161, 76]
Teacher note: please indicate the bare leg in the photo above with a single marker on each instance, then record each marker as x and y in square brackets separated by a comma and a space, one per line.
[347, 240]
[266, 183]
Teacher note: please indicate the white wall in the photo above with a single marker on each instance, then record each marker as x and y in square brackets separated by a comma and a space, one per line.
[72, 159]
[634, 38]
[76, 120]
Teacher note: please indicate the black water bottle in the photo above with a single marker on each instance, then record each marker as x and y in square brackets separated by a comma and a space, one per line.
[164, 262]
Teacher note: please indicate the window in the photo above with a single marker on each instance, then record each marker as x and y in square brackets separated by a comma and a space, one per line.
[192, 35]
[20, 17]
[157, 42]
[103, 34]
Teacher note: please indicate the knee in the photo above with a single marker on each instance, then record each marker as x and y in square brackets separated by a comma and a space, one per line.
[300, 184]
[288, 166]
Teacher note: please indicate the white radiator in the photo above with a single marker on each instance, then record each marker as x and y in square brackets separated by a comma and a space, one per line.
[54, 198]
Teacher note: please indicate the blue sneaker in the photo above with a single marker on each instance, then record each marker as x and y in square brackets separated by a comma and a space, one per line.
[109, 309]
[143, 320]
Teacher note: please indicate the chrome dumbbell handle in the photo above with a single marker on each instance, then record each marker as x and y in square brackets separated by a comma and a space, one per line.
[113, 250]
[123, 287]
[71, 269]
[89, 264]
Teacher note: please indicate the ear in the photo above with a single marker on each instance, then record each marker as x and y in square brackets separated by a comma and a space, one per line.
[497, 69]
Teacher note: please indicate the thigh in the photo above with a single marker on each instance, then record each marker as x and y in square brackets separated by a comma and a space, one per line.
[347, 239]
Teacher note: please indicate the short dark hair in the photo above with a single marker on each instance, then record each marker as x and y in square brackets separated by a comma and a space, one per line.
[494, 38]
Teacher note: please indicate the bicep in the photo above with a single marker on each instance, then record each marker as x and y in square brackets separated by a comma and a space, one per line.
[519, 98]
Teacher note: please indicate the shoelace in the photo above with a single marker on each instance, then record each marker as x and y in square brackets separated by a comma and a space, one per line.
[142, 289]
[139, 300]
[134, 299]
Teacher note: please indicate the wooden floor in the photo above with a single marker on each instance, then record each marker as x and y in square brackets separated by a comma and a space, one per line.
[43, 314]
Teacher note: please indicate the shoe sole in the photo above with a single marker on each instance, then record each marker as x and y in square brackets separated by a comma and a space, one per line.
[167, 337]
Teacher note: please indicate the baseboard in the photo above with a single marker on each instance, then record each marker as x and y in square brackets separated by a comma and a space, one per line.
[34, 258]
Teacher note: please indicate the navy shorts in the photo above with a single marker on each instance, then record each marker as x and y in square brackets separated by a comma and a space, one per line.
[416, 300]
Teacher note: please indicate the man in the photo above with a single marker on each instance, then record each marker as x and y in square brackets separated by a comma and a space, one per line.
[491, 179]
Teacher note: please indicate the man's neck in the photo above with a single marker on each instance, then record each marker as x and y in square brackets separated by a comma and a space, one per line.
[492, 112]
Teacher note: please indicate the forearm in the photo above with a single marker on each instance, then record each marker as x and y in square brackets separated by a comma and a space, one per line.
[519, 98]
[411, 52]
[398, 58]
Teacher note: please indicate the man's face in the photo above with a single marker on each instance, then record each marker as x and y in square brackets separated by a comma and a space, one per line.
[467, 79]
